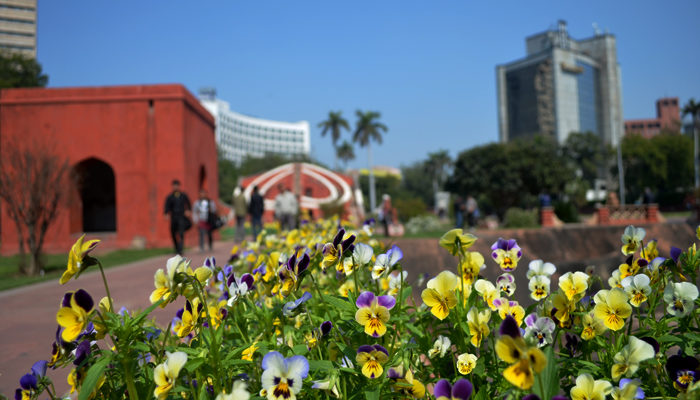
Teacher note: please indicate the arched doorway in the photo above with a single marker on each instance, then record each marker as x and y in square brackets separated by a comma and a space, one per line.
[97, 189]
[202, 177]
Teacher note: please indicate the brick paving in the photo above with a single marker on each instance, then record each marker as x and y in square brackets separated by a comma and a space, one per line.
[28, 314]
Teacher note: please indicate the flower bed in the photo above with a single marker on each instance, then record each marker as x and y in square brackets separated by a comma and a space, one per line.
[324, 312]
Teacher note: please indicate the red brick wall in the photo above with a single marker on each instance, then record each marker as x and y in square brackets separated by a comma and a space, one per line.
[148, 135]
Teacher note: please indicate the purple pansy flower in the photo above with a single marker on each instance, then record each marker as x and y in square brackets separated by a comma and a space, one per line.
[462, 390]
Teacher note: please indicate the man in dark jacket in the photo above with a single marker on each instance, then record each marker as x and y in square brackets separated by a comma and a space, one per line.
[255, 209]
[177, 209]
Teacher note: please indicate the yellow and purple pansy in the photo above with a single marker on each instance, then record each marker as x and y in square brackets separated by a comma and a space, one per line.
[539, 329]
[373, 312]
[506, 253]
[283, 378]
[525, 360]
[29, 383]
[74, 313]
[461, 390]
[333, 251]
[406, 384]
[371, 358]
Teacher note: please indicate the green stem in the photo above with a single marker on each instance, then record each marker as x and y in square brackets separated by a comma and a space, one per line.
[104, 281]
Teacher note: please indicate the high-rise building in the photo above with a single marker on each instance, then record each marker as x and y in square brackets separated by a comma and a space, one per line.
[239, 136]
[18, 26]
[561, 86]
[668, 117]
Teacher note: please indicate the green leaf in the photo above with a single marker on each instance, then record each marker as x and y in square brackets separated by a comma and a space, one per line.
[372, 395]
[320, 365]
[339, 303]
[300, 349]
[481, 395]
[137, 320]
[550, 381]
[669, 338]
[93, 376]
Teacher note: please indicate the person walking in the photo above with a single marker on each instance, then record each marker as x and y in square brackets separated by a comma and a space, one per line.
[288, 208]
[472, 211]
[388, 214]
[177, 209]
[240, 209]
[458, 207]
[255, 209]
[202, 207]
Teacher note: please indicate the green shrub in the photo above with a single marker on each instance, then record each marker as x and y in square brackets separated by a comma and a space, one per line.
[566, 211]
[409, 208]
[519, 218]
[423, 223]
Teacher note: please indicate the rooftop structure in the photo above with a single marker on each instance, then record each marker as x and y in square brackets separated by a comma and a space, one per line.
[668, 117]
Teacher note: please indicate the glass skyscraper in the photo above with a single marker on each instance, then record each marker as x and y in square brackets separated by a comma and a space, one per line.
[561, 86]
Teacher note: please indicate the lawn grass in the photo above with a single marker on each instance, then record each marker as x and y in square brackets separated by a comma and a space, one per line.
[55, 264]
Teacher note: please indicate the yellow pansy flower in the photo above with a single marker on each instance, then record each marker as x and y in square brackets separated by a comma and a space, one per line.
[592, 326]
[76, 257]
[456, 241]
[466, 363]
[632, 239]
[628, 359]
[440, 294]
[589, 389]
[478, 324]
[564, 307]
[574, 284]
[613, 309]
[488, 292]
[166, 373]
[470, 266]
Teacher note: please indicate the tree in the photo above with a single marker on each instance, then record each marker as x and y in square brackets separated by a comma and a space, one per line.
[693, 109]
[228, 177]
[367, 129]
[17, 71]
[334, 124]
[345, 152]
[32, 185]
[511, 174]
[438, 165]
[588, 154]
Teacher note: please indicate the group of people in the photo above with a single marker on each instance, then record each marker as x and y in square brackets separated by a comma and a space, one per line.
[203, 213]
[179, 210]
[465, 208]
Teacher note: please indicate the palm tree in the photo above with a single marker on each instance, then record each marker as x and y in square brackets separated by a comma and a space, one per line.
[334, 124]
[367, 129]
[693, 108]
[438, 165]
[345, 152]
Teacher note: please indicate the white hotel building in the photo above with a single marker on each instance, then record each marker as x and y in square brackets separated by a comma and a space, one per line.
[239, 135]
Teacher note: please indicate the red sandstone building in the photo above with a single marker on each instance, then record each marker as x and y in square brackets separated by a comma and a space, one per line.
[125, 144]
[668, 117]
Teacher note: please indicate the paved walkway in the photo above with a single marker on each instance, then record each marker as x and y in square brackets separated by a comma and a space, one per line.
[28, 314]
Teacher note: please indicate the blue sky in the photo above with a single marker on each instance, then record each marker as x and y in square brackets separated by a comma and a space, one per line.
[427, 66]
